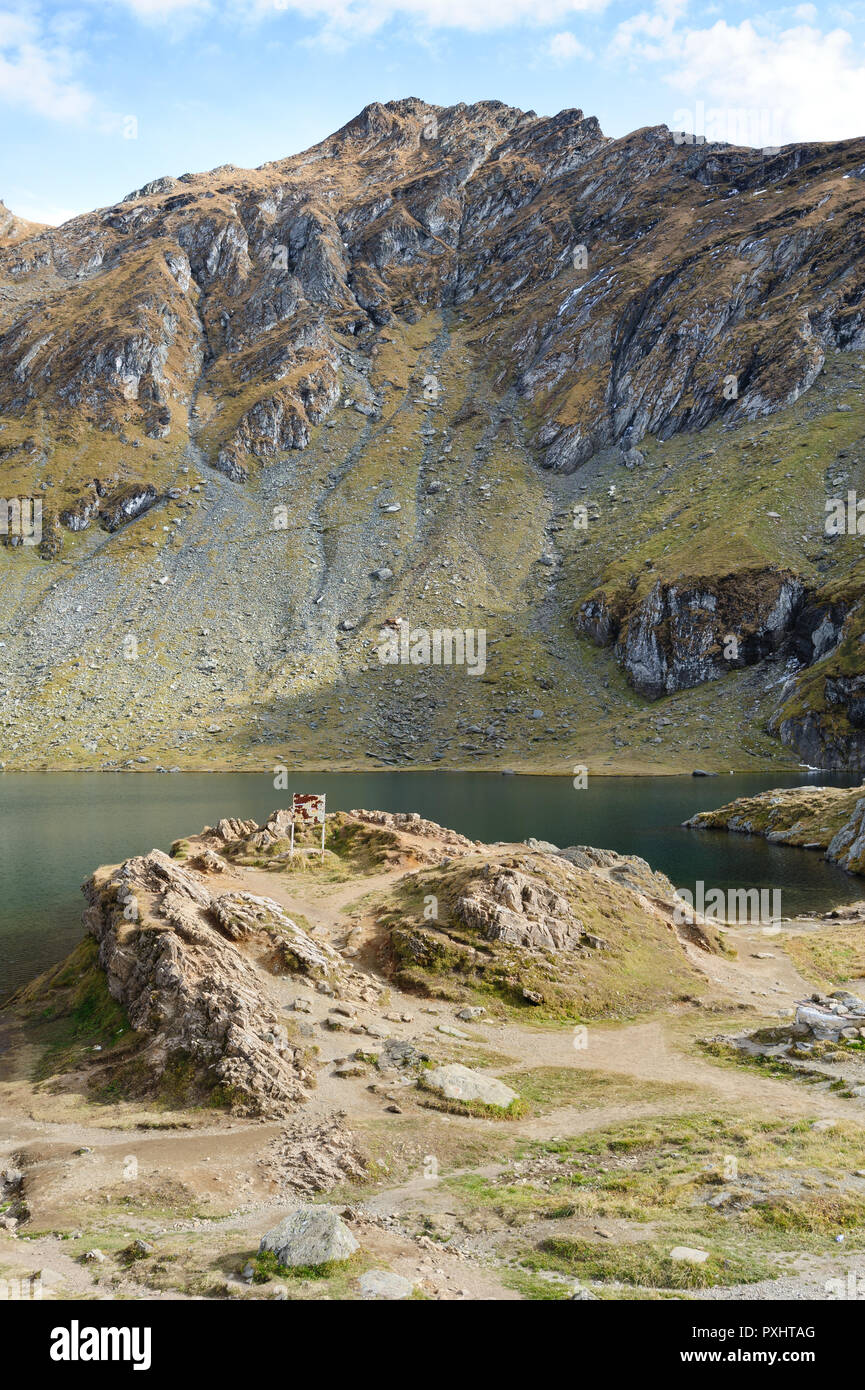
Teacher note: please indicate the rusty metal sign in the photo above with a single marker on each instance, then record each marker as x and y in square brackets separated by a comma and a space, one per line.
[308, 808]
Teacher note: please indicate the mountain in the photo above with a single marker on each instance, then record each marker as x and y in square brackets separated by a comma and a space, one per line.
[14, 228]
[464, 366]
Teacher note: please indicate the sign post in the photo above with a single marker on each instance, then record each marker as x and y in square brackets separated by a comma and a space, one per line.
[308, 808]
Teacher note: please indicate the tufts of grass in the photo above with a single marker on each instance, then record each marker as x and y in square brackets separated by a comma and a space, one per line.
[641, 1264]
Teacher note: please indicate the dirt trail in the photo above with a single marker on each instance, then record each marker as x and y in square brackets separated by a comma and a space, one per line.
[321, 904]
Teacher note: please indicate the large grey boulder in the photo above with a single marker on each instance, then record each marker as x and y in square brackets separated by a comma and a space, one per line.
[456, 1082]
[311, 1235]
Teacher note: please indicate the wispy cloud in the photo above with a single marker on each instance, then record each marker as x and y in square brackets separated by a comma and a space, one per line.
[359, 18]
[164, 9]
[810, 81]
[37, 73]
[564, 48]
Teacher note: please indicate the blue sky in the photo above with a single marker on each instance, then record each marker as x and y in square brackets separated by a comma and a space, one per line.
[98, 97]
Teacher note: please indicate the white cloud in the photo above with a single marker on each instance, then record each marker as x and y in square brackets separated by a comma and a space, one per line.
[163, 9]
[565, 47]
[351, 18]
[36, 73]
[649, 34]
[801, 83]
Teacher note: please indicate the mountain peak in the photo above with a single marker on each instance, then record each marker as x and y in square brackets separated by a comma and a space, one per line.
[14, 228]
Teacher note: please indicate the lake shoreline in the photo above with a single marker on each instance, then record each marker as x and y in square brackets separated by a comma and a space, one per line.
[315, 769]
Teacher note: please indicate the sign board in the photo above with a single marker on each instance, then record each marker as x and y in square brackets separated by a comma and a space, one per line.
[308, 808]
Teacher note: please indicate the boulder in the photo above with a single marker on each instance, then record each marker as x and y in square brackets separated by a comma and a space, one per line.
[456, 1082]
[310, 1235]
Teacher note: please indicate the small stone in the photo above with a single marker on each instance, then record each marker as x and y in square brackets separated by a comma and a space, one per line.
[381, 1283]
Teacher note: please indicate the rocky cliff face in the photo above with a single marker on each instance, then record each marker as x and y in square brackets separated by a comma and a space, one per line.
[629, 286]
[696, 630]
[182, 962]
[401, 353]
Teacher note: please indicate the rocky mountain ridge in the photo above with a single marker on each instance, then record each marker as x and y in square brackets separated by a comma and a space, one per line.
[242, 282]
[351, 358]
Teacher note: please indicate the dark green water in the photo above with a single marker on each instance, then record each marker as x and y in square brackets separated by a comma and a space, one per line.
[55, 828]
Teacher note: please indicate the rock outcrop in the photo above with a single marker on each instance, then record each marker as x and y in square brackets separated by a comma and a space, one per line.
[538, 927]
[693, 630]
[520, 910]
[314, 1157]
[822, 1044]
[433, 841]
[827, 818]
[186, 966]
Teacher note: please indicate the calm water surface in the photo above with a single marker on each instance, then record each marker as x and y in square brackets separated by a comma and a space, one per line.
[55, 828]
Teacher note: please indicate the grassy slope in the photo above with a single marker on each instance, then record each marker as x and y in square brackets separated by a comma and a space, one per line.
[292, 687]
